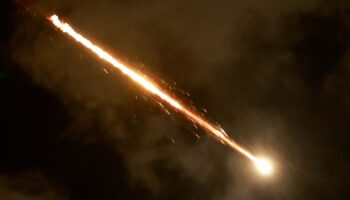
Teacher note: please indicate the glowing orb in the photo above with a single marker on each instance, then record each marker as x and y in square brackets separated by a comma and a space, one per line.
[264, 166]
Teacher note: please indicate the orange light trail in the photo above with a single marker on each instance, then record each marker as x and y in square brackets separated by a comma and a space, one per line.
[152, 88]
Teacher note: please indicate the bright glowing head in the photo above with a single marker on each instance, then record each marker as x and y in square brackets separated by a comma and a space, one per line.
[264, 166]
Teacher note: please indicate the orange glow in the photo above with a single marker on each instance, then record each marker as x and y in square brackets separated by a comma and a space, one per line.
[152, 88]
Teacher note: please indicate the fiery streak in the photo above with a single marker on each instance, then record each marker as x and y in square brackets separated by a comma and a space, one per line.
[151, 87]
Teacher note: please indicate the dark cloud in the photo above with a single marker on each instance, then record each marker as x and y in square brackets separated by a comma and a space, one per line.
[275, 75]
[28, 186]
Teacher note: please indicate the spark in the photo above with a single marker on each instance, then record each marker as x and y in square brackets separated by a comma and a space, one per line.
[141, 79]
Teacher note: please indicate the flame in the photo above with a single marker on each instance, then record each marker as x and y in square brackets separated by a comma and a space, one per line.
[151, 87]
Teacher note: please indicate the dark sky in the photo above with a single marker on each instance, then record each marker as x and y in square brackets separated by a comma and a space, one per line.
[274, 74]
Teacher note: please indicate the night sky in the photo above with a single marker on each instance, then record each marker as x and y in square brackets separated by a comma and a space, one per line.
[274, 74]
